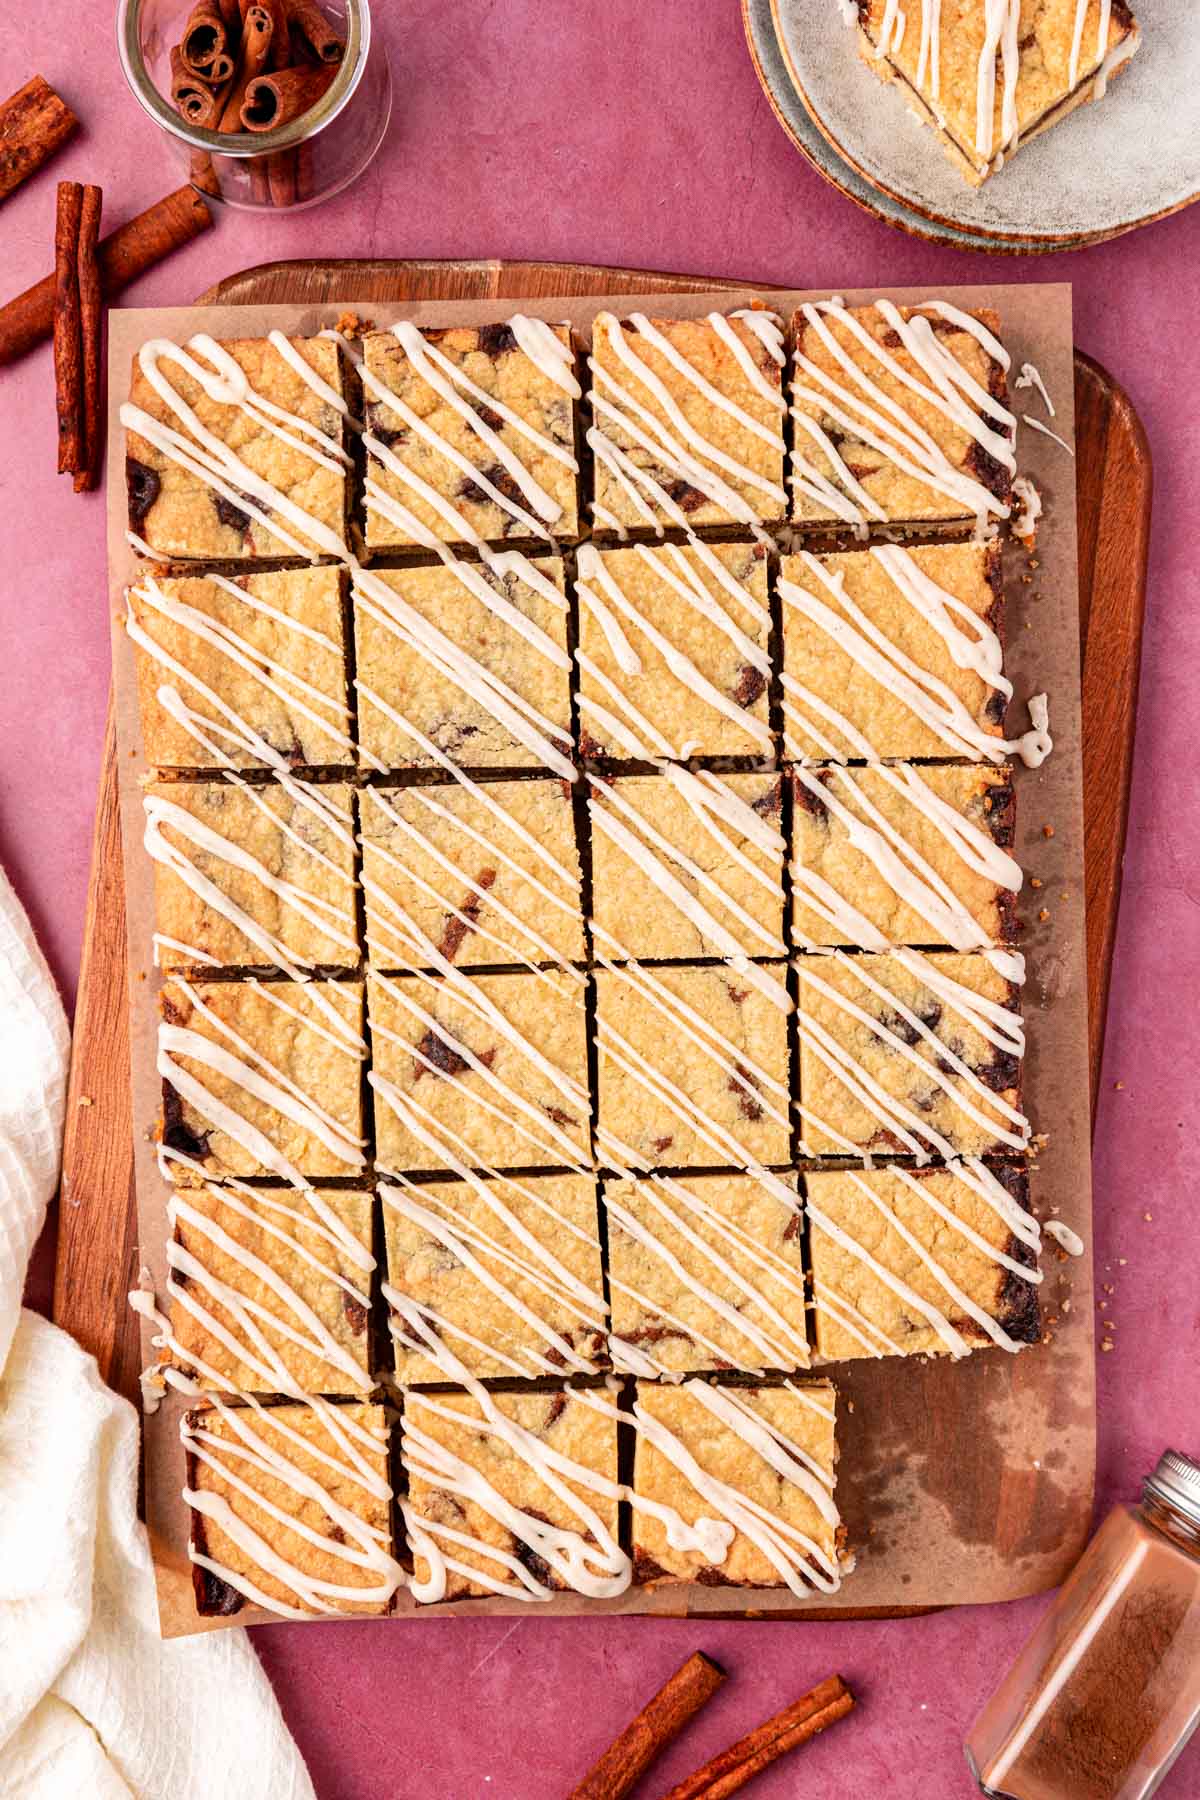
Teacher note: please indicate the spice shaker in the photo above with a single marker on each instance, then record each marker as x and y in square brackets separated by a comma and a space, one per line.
[1107, 1691]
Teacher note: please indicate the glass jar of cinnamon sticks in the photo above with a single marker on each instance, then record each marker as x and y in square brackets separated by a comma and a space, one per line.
[1106, 1692]
[268, 104]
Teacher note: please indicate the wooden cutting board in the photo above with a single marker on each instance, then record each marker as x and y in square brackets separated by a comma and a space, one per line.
[96, 1259]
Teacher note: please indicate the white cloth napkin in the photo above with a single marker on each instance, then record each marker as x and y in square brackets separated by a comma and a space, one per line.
[92, 1703]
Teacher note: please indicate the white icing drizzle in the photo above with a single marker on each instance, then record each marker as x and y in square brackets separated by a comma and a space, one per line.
[1024, 525]
[1001, 29]
[1068, 1240]
[861, 408]
[1081, 12]
[1036, 425]
[665, 432]
[348, 1450]
[1031, 378]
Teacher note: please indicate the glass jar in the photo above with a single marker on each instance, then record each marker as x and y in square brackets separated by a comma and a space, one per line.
[1107, 1691]
[293, 166]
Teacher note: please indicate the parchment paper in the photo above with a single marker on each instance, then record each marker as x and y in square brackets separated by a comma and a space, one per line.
[958, 1482]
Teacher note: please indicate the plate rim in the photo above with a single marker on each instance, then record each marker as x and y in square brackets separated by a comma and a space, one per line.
[916, 221]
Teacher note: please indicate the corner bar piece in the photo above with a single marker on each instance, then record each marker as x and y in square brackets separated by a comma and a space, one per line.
[247, 673]
[470, 434]
[475, 873]
[270, 1289]
[484, 1072]
[886, 856]
[909, 1054]
[922, 1262]
[249, 876]
[751, 1471]
[290, 1509]
[900, 415]
[693, 1066]
[705, 1272]
[687, 421]
[512, 1494]
[987, 80]
[893, 653]
[464, 664]
[235, 450]
[673, 652]
[506, 1270]
[688, 864]
[262, 1078]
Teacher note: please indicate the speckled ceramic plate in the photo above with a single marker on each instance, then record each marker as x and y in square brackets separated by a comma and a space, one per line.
[1104, 171]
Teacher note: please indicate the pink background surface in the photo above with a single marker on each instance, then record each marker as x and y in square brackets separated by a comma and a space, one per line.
[637, 134]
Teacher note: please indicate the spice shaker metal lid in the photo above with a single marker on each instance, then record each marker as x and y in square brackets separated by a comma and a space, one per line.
[1176, 1480]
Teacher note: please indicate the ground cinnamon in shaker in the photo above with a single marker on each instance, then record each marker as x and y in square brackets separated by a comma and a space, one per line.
[1107, 1690]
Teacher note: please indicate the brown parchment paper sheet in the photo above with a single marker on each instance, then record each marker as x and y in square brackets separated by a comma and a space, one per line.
[959, 1483]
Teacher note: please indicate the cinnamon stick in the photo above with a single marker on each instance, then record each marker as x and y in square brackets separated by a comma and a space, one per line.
[657, 1725]
[34, 123]
[91, 321]
[204, 37]
[276, 99]
[258, 33]
[316, 30]
[124, 255]
[196, 100]
[282, 178]
[68, 343]
[729, 1772]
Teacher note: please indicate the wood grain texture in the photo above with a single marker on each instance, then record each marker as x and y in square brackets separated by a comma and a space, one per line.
[96, 1261]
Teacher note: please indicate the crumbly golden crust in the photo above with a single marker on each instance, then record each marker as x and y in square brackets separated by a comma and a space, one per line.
[724, 1455]
[560, 1420]
[1046, 32]
[828, 1102]
[739, 1246]
[257, 1024]
[499, 903]
[904, 497]
[656, 705]
[309, 1268]
[822, 846]
[430, 1260]
[257, 678]
[279, 1427]
[676, 837]
[858, 1314]
[489, 357]
[649, 447]
[177, 513]
[817, 662]
[458, 722]
[662, 1096]
[421, 1029]
[311, 921]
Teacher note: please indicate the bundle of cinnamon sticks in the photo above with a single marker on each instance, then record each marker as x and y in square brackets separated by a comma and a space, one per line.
[254, 65]
[676, 1703]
